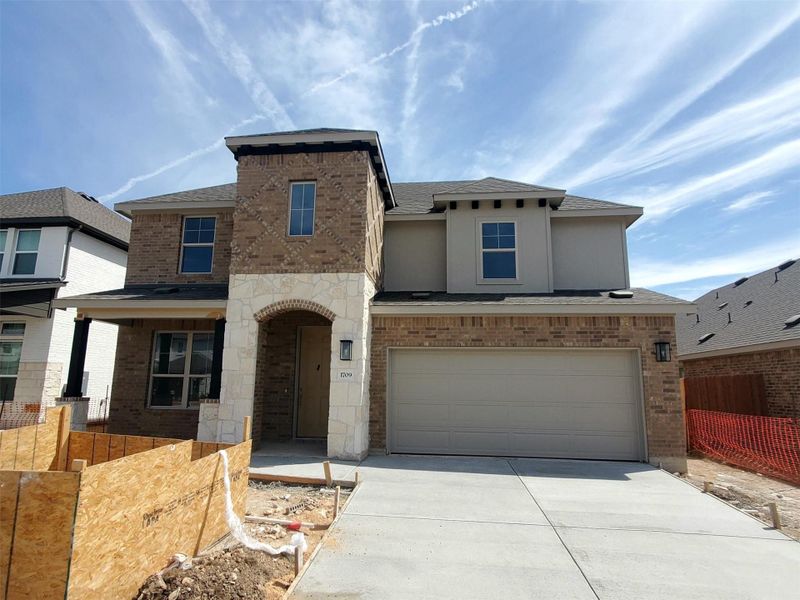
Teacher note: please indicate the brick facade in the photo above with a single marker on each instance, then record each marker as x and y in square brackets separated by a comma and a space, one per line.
[273, 403]
[129, 413]
[663, 409]
[348, 215]
[155, 249]
[780, 368]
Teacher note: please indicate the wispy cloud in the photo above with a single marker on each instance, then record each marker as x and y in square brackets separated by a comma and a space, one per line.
[757, 258]
[775, 111]
[666, 200]
[749, 200]
[237, 61]
[128, 185]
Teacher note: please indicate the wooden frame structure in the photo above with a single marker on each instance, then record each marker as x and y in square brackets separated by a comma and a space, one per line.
[92, 515]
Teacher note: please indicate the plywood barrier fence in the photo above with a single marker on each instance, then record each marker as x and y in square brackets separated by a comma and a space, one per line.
[35, 447]
[100, 530]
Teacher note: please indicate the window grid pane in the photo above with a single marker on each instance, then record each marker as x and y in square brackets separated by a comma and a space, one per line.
[301, 212]
[25, 264]
[176, 382]
[28, 241]
[499, 265]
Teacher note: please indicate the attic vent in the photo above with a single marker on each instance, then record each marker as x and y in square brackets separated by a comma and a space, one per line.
[705, 338]
[621, 294]
[792, 321]
[721, 306]
[748, 303]
[86, 196]
[165, 290]
[420, 294]
[786, 265]
[740, 281]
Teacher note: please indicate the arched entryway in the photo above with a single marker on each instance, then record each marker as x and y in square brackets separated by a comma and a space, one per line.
[291, 399]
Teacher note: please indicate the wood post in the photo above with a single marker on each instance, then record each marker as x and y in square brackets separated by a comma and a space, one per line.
[298, 560]
[356, 478]
[79, 464]
[336, 501]
[707, 486]
[328, 477]
[64, 420]
[776, 516]
[247, 429]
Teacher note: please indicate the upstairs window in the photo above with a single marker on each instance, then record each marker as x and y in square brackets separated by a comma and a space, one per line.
[499, 250]
[301, 208]
[11, 335]
[181, 373]
[197, 253]
[26, 251]
[3, 238]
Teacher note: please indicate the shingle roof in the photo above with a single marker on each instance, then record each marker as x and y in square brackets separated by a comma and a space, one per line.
[309, 132]
[758, 307]
[412, 198]
[158, 292]
[559, 297]
[64, 203]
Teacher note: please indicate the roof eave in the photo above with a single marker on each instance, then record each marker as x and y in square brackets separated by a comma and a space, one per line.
[129, 207]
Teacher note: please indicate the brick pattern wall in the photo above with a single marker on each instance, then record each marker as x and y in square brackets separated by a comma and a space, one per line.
[273, 401]
[780, 368]
[374, 242]
[663, 408]
[155, 249]
[129, 413]
[261, 243]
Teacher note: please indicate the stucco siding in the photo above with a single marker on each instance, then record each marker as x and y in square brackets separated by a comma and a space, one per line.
[416, 256]
[588, 254]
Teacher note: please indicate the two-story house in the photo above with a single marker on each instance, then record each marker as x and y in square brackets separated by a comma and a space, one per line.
[54, 243]
[486, 317]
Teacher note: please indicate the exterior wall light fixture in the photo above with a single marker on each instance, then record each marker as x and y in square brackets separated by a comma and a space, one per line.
[346, 349]
[662, 352]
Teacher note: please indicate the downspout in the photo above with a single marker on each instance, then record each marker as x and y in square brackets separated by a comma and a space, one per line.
[66, 251]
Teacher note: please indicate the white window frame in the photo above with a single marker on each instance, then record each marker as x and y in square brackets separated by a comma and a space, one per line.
[479, 245]
[13, 338]
[186, 376]
[313, 211]
[17, 252]
[3, 253]
[197, 245]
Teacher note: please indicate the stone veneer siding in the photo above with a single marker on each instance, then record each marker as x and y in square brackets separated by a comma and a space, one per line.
[273, 408]
[155, 249]
[347, 220]
[128, 412]
[780, 368]
[663, 409]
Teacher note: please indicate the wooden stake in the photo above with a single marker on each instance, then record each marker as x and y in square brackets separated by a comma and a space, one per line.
[64, 419]
[247, 429]
[776, 516]
[298, 561]
[356, 478]
[707, 485]
[79, 464]
[328, 477]
[336, 501]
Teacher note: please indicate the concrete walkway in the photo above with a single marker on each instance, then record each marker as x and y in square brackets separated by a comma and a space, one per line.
[445, 527]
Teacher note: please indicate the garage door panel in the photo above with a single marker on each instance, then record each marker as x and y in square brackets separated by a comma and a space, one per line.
[581, 404]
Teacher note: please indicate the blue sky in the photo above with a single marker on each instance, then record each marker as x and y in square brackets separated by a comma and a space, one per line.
[691, 110]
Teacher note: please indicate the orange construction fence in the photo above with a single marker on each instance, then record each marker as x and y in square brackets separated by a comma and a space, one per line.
[768, 445]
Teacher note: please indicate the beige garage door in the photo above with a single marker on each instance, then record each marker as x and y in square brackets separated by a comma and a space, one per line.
[550, 403]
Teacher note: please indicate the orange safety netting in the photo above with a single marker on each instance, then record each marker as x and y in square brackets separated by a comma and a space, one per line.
[768, 445]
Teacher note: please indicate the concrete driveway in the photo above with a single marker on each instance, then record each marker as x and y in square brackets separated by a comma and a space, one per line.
[446, 527]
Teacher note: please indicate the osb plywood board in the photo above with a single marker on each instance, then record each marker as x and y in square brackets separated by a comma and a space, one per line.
[136, 512]
[80, 447]
[40, 548]
[8, 448]
[98, 448]
[9, 486]
[31, 447]
[45, 454]
[26, 446]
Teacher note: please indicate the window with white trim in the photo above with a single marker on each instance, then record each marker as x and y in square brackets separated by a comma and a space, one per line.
[3, 240]
[197, 249]
[301, 208]
[181, 369]
[499, 250]
[27, 251]
[11, 336]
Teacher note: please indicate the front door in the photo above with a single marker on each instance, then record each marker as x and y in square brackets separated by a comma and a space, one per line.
[313, 381]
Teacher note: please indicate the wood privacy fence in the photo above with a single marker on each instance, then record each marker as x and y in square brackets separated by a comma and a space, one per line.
[741, 394]
[124, 507]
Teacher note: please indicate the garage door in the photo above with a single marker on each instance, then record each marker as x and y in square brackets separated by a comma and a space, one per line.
[550, 403]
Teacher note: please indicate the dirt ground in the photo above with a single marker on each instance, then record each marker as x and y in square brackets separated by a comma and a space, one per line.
[749, 492]
[228, 571]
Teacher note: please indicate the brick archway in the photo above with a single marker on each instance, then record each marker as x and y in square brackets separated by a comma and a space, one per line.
[284, 306]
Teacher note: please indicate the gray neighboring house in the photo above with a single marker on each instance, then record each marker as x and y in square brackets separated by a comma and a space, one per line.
[749, 326]
[54, 243]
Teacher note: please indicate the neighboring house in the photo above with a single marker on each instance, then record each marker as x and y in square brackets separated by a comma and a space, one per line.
[54, 243]
[750, 326]
[459, 317]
